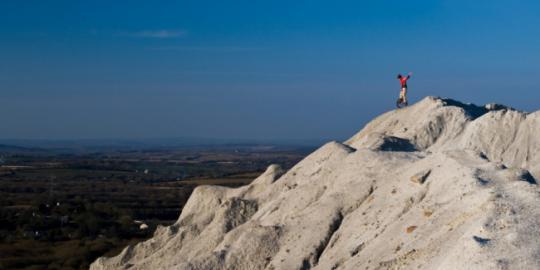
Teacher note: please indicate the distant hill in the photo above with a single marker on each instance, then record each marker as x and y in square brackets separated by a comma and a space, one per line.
[13, 149]
[105, 145]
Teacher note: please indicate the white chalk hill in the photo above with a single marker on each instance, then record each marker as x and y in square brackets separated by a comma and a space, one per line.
[437, 185]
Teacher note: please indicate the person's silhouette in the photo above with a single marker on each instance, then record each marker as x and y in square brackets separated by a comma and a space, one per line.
[402, 100]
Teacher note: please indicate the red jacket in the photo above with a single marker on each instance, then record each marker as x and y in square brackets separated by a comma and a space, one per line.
[403, 80]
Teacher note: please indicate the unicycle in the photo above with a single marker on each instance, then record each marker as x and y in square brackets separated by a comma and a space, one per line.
[400, 103]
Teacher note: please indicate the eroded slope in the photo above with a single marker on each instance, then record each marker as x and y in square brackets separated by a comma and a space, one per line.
[438, 185]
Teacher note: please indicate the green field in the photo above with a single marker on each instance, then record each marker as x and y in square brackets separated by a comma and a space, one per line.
[64, 211]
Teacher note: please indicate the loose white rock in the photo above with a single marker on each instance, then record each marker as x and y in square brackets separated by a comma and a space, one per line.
[353, 206]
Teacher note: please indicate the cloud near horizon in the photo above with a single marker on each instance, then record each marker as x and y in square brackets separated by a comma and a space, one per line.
[207, 48]
[163, 33]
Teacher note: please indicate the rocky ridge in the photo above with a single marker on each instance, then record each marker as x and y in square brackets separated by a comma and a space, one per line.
[437, 185]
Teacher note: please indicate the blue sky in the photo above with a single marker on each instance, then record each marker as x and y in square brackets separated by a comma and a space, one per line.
[265, 70]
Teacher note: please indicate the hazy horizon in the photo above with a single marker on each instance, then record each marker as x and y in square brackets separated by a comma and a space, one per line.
[281, 70]
[156, 142]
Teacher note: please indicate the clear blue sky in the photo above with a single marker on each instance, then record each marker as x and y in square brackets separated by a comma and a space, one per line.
[252, 69]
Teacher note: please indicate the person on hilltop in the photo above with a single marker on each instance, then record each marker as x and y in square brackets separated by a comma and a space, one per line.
[402, 100]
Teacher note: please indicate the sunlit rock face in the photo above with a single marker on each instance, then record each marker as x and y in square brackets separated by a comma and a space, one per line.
[437, 185]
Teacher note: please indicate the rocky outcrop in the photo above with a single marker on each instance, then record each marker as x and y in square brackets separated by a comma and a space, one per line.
[437, 185]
